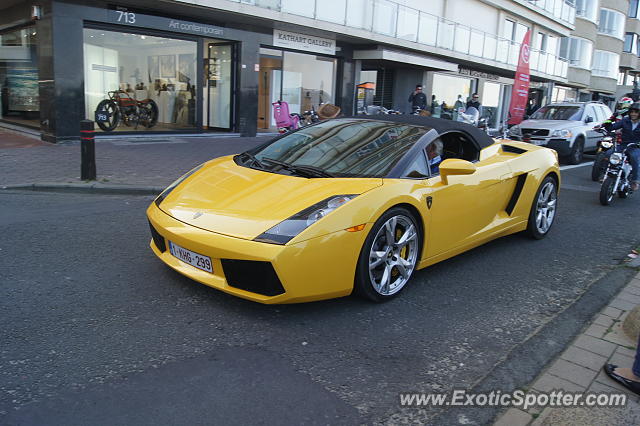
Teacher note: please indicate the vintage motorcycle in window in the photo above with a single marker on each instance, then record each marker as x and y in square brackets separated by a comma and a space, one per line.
[121, 106]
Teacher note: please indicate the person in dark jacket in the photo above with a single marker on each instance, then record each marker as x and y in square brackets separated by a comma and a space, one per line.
[630, 126]
[418, 99]
[475, 103]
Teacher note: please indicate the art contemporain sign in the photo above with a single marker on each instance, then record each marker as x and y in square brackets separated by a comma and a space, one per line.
[304, 42]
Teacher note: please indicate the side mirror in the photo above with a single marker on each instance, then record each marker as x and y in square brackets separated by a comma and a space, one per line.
[455, 167]
[589, 119]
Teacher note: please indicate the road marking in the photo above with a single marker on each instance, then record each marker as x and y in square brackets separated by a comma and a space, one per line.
[575, 166]
[579, 188]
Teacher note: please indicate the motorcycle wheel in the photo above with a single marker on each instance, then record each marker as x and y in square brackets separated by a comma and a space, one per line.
[624, 192]
[108, 107]
[597, 169]
[607, 191]
[152, 114]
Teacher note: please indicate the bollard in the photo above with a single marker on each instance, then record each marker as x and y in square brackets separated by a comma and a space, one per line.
[88, 150]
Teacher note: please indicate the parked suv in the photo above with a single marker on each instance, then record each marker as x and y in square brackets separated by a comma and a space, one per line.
[566, 127]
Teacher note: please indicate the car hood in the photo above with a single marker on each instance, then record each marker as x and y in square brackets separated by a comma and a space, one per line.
[549, 124]
[229, 199]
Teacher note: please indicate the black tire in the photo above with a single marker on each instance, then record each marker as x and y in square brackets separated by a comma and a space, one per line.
[624, 192]
[598, 167]
[363, 285]
[607, 194]
[577, 152]
[532, 226]
[109, 108]
[152, 114]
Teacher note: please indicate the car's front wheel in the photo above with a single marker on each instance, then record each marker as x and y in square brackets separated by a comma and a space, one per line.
[543, 209]
[389, 255]
[577, 151]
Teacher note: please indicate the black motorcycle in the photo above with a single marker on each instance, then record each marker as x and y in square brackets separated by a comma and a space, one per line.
[605, 144]
[616, 177]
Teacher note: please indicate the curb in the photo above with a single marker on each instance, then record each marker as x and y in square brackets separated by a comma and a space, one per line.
[92, 188]
[530, 358]
[578, 368]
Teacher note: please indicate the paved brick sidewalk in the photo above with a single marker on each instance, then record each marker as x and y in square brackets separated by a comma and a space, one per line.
[138, 162]
[579, 369]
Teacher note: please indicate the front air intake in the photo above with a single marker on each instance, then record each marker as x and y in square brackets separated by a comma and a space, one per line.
[158, 239]
[254, 276]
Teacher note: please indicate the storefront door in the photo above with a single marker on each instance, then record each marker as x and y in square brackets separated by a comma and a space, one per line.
[219, 82]
[269, 86]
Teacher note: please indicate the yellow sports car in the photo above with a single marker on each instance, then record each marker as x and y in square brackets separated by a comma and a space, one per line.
[350, 205]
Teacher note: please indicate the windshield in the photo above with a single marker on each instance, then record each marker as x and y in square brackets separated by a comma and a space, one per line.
[345, 147]
[558, 112]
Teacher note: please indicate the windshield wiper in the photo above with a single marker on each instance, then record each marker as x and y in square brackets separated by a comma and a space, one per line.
[302, 169]
[253, 159]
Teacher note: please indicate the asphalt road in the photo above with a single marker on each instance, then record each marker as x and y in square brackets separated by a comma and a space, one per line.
[96, 330]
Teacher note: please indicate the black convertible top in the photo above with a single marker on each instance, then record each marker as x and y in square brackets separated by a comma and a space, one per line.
[440, 125]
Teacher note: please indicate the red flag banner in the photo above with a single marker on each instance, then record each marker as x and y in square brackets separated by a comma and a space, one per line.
[520, 91]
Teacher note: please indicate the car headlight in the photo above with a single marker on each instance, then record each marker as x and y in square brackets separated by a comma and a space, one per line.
[284, 231]
[177, 182]
[515, 130]
[563, 133]
[616, 158]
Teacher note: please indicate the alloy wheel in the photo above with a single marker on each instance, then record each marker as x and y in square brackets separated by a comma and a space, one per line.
[393, 255]
[546, 207]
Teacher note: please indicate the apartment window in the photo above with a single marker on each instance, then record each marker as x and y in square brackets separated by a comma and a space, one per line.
[631, 43]
[514, 31]
[605, 64]
[611, 23]
[633, 9]
[587, 9]
[577, 50]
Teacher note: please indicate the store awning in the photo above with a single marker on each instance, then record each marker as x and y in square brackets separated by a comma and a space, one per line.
[405, 58]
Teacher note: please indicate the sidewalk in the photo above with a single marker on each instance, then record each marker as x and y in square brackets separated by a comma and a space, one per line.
[130, 163]
[579, 369]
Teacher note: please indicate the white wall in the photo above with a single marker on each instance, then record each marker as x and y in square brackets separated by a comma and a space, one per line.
[434, 7]
[474, 14]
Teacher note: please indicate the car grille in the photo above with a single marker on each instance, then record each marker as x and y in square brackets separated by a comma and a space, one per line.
[536, 132]
[158, 239]
[254, 276]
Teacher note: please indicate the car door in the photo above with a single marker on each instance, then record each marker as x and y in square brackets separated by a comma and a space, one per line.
[591, 135]
[467, 208]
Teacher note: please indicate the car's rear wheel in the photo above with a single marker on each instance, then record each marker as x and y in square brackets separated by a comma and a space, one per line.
[389, 255]
[543, 209]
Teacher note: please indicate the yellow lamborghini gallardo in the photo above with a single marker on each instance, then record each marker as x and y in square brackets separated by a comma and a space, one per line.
[351, 205]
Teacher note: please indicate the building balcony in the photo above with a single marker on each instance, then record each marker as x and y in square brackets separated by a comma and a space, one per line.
[391, 19]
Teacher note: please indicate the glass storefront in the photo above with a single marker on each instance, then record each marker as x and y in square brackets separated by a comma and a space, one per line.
[137, 82]
[19, 77]
[447, 92]
[302, 80]
[491, 103]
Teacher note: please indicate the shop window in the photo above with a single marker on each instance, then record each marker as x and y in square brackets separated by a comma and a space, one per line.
[449, 93]
[140, 73]
[307, 81]
[20, 100]
[491, 103]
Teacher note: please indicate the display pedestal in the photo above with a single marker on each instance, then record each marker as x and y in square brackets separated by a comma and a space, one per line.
[166, 104]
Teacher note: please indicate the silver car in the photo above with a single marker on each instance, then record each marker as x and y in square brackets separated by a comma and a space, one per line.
[566, 127]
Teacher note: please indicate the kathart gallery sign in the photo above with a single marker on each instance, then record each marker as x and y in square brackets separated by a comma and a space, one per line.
[304, 42]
